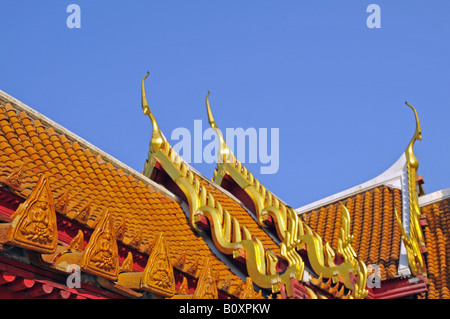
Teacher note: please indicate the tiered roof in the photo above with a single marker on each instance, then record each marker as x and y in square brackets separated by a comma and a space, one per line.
[395, 228]
[85, 183]
[172, 233]
[279, 269]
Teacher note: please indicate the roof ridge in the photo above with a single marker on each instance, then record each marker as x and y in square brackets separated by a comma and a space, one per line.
[390, 177]
[434, 197]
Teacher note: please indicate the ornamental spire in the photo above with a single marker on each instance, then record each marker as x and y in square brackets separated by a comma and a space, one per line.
[225, 154]
[411, 158]
[158, 138]
[415, 243]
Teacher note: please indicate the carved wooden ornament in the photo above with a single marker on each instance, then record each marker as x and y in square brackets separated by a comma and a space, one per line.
[100, 257]
[34, 225]
[158, 275]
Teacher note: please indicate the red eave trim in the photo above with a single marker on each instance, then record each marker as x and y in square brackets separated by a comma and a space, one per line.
[22, 281]
[8, 204]
[398, 288]
[68, 229]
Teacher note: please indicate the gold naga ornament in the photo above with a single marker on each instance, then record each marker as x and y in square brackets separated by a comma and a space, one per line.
[294, 234]
[228, 235]
[414, 242]
[232, 238]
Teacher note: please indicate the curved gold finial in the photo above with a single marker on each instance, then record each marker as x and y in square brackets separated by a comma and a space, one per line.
[418, 133]
[224, 151]
[412, 160]
[415, 241]
[157, 140]
[208, 109]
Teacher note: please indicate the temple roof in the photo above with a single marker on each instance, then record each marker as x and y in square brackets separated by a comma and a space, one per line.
[92, 182]
[377, 238]
[237, 229]
[230, 231]
[387, 222]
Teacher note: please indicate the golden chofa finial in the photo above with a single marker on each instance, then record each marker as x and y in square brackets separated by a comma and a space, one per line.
[224, 151]
[208, 109]
[411, 158]
[158, 139]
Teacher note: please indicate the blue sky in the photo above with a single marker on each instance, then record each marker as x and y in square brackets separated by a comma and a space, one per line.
[334, 87]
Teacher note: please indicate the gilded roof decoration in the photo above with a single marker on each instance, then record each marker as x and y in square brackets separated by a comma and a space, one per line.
[248, 291]
[184, 287]
[100, 256]
[376, 237]
[14, 180]
[202, 203]
[414, 241]
[90, 175]
[290, 229]
[207, 285]
[62, 202]
[83, 214]
[127, 264]
[34, 222]
[77, 243]
[121, 212]
[158, 274]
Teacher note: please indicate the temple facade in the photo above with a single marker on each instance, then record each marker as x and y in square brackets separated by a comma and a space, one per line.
[76, 223]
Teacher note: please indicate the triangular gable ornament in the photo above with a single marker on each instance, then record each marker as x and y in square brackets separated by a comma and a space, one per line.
[100, 257]
[184, 287]
[34, 224]
[158, 275]
[206, 285]
[14, 180]
[62, 203]
[127, 264]
[248, 292]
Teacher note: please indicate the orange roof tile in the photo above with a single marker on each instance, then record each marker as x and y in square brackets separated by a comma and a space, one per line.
[377, 237]
[437, 240]
[89, 178]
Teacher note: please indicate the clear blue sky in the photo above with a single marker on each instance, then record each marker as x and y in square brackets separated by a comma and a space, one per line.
[335, 88]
